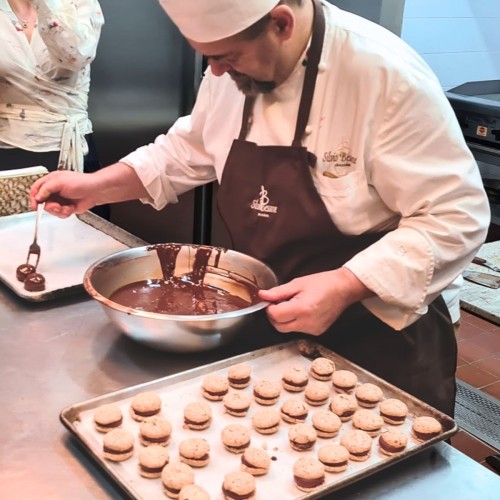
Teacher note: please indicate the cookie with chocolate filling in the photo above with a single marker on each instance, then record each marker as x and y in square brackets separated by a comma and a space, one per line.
[239, 375]
[368, 395]
[295, 379]
[308, 474]
[393, 411]
[152, 460]
[294, 411]
[302, 437]
[392, 442]
[174, 476]
[266, 420]
[368, 421]
[144, 405]
[344, 381]
[358, 444]
[197, 415]
[238, 485]
[334, 457]
[255, 461]
[34, 282]
[425, 428]
[155, 430]
[326, 423]
[344, 406]
[237, 403]
[108, 417]
[214, 387]
[322, 369]
[317, 393]
[235, 438]
[266, 392]
[194, 452]
[118, 445]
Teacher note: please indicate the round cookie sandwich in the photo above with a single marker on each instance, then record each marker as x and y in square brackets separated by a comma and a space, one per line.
[358, 444]
[214, 387]
[266, 392]
[144, 405]
[425, 428]
[193, 492]
[24, 270]
[344, 381]
[235, 438]
[368, 395]
[326, 423]
[368, 421]
[152, 460]
[302, 437]
[334, 457]
[344, 406]
[118, 445]
[393, 411]
[155, 430]
[317, 393]
[392, 442]
[174, 476]
[108, 417]
[295, 379]
[197, 415]
[239, 375]
[308, 474]
[266, 420]
[34, 282]
[294, 411]
[194, 452]
[237, 403]
[255, 461]
[238, 485]
[322, 369]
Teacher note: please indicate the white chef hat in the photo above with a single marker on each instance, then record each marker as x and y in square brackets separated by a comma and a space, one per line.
[210, 20]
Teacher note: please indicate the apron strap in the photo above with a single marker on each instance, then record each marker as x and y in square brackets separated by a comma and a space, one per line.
[313, 59]
[247, 117]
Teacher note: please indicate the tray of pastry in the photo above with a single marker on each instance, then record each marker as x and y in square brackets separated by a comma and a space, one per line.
[68, 247]
[210, 426]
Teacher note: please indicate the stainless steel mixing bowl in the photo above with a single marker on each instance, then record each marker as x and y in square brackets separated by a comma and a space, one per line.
[186, 333]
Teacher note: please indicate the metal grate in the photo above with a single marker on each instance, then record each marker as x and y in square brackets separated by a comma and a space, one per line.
[478, 414]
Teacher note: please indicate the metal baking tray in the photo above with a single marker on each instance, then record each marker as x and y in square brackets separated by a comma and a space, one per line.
[68, 248]
[179, 389]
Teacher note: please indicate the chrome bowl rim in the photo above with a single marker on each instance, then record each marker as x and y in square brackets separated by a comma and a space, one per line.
[87, 283]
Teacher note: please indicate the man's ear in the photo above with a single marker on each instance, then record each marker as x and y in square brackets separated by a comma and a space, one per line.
[283, 21]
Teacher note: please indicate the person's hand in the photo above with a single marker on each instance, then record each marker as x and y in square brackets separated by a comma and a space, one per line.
[312, 303]
[65, 193]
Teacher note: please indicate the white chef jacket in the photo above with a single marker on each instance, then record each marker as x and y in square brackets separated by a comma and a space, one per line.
[44, 84]
[390, 156]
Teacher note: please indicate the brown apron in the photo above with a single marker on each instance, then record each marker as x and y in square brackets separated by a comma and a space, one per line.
[273, 211]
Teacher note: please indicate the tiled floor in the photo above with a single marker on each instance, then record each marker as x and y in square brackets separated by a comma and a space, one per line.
[478, 366]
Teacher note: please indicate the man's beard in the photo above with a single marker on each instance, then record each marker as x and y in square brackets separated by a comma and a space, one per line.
[251, 87]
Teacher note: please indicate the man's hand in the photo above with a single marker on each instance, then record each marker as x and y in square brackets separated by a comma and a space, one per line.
[312, 303]
[66, 193]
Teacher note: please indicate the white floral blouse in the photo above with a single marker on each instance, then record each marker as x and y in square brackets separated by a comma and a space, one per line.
[44, 83]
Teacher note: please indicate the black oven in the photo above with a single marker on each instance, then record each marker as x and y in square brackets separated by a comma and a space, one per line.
[477, 106]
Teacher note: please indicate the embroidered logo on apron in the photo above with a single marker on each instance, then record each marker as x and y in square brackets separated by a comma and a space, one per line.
[261, 205]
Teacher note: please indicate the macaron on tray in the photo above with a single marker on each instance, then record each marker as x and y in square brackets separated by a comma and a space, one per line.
[291, 421]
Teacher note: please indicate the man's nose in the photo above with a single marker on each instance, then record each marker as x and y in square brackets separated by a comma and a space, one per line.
[219, 67]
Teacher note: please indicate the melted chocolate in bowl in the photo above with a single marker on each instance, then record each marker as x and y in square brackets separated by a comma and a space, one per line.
[184, 295]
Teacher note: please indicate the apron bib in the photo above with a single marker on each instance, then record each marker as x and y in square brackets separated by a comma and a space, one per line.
[272, 210]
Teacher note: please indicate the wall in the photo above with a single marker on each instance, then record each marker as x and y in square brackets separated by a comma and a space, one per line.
[459, 39]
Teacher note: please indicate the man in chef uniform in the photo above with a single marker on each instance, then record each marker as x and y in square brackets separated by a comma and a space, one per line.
[340, 164]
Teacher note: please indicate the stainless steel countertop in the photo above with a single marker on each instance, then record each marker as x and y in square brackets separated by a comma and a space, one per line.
[58, 353]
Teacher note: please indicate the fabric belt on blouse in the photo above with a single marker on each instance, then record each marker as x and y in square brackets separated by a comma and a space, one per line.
[63, 133]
